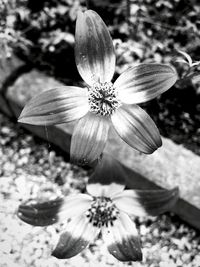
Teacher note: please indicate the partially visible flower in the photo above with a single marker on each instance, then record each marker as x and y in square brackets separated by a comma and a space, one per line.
[106, 209]
[102, 104]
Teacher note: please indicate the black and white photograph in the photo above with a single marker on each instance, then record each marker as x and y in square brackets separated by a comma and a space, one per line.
[99, 133]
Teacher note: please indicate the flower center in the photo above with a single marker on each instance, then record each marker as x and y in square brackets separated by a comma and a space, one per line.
[103, 99]
[102, 212]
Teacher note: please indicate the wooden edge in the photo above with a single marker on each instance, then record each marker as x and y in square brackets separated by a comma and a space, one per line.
[189, 213]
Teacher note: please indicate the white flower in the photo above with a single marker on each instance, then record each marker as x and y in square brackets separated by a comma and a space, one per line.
[102, 104]
[105, 208]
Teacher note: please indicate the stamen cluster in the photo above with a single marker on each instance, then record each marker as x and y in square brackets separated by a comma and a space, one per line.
[102, 99]
[102, 212]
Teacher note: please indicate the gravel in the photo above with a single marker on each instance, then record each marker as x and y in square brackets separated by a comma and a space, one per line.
[32, 168]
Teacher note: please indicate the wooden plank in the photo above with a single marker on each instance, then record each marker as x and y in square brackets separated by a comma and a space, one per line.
[168, 167]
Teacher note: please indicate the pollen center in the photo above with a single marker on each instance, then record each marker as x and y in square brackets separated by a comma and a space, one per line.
[102, 99]
[102, 212]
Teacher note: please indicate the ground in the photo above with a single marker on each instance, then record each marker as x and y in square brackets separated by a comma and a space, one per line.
[32, 168]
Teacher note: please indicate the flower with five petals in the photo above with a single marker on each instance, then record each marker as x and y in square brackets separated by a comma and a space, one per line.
[102, 104]
[106, 209]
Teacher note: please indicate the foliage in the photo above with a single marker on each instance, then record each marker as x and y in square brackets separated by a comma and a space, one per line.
[9, 36]
[143, 31]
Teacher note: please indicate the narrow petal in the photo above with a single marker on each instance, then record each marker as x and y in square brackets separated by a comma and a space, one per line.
[94, 51]
[89, 138]
[144, 82]
[78, 235]
[107, 179]
[136, 128]
[55, 106]
[74, 205]
[122, 239]
[49, 212]
[146, 202]
[40, 214]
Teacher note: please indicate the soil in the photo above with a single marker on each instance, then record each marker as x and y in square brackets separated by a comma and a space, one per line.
[28, 172]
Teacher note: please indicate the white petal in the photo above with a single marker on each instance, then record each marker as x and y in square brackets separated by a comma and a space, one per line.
[107, 179]
[89, 138]
[74, 205]
[144, 82]
[136, 128]
[94, 51]
[55, 106]
[122, 239]
[146, 202]
[49, 212]
[78, 235]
